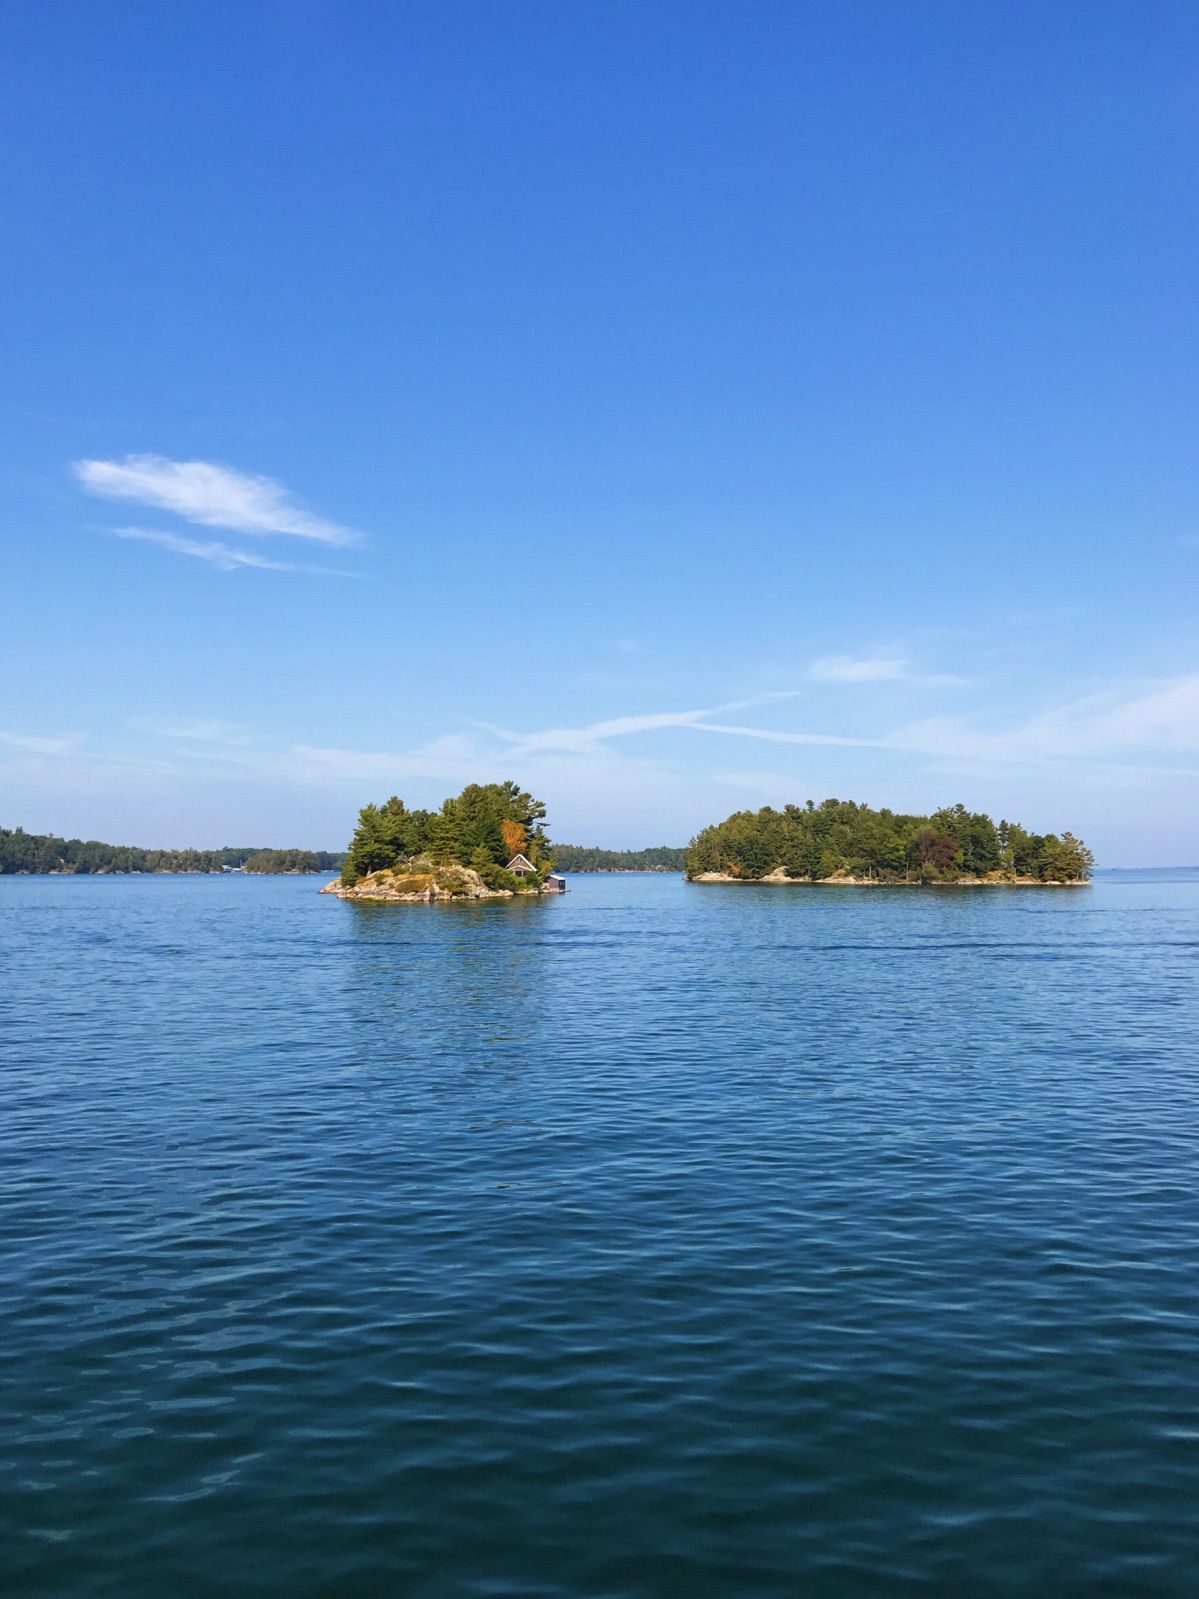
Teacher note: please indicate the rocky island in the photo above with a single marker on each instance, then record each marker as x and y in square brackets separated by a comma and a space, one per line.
[487, 843]
[423, 878]
[841, 843]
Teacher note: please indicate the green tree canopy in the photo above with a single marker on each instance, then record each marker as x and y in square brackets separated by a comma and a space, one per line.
[46, 852]
[468, 829]
[585, 858]
[839, 838]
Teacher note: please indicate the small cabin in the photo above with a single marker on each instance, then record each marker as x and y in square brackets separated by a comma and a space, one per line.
[521, 866]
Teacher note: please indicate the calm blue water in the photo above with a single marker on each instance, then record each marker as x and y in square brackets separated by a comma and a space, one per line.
[654, 1241]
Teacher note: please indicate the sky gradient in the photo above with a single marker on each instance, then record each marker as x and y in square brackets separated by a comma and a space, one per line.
[677, 408]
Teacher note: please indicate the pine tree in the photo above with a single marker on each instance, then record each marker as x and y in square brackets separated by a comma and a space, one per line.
[395, 826]
[484, 863]
[370, 848]
[445, 839]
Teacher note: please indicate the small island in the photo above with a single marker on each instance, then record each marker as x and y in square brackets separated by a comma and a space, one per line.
[488, 843]
[841, 843]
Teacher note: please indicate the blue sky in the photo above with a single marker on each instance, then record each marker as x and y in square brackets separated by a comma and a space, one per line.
[676, 407]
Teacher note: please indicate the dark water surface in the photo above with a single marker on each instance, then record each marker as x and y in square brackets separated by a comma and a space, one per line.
[654, 1241]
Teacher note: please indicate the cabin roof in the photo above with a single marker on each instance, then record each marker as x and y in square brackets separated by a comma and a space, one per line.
[521, 860]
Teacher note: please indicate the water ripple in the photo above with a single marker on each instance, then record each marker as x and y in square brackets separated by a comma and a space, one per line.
[655, 1241]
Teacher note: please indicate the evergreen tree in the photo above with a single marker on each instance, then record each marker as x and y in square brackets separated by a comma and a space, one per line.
[371, 848]
[1063, 860]
[445, 837]
[395, 826]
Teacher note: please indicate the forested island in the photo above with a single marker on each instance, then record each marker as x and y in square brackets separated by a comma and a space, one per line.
[581, 858]
[838, 841]
[462, 851]
[40, 853]
[301, 861]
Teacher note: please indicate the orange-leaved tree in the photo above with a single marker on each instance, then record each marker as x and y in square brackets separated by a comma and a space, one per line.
[513, 834]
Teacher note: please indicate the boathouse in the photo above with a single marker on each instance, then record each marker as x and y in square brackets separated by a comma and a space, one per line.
[522, 866]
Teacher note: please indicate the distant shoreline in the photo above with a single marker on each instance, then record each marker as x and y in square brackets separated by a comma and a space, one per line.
[166, 871]
[25, 854]
[626, 871]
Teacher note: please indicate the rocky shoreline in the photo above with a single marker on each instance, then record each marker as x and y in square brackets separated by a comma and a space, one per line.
[428, 887]
[992, 880]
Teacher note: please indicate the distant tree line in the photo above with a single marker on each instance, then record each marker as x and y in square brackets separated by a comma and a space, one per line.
[579, 858]
[839, 838]
[294, 860]
[484, 827]
[46, 852]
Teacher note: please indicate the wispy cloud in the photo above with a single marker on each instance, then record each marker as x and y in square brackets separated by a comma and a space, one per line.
[758, 782]
[1161, 718]
[1134, 732]
[381, 766]
[877, 669]
[210, 495]
[203, 730]
[219, 555]
[223, 556]
[587, 740]
[38, 744]
[449, 747]
[775, 736]
[848, 669]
